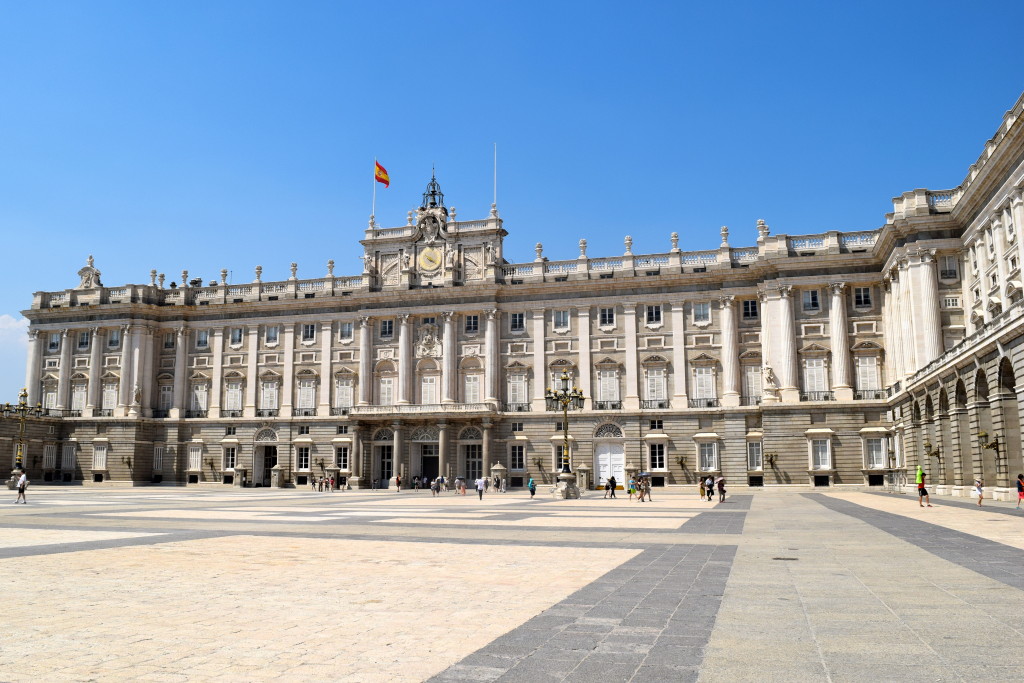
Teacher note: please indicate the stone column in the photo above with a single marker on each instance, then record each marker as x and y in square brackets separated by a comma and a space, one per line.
[927, 327]
[404, 360]
[326, 340]
[251, 365]
[181, 373]
[33, 367]
[442, 449]
[784, 341]
[485, 450]
[586, 363]
[357, 456]
[288, 381]
[92, 400]
[124, 391]
[135, 400]
[679, 365]
[217, 375]
[905, 312]
[448, 358]
[730, 352]
[1017, 216]
[396, 453]
[149, 338]
[840, 341]
[365, 361]
[67, 338]
[491, 318]
[632, 398]
[958, 422]
[540, 370]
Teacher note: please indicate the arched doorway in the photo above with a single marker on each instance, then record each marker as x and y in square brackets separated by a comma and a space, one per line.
[383, 465]
[609, 455]
[425, 454]
[984, 460]
[264, 458]
[1008, 463]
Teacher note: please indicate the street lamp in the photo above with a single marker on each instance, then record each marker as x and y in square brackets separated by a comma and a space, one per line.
[564, 397]
[22, 410]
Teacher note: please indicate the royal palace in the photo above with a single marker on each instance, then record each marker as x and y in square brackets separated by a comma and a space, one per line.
[830, 359]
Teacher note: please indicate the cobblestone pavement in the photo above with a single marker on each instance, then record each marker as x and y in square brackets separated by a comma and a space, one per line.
[183, 585]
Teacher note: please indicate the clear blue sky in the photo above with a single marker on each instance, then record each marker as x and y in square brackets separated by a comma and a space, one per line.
[209, 135]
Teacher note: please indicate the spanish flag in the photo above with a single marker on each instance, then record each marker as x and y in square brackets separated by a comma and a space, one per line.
[381, 175]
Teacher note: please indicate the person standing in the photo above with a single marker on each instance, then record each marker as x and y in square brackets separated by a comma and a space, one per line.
[481, 484]
[979, 489]
[1020, 489]
[922, 492]
[709, 488]
[610, 486]
[398, 483]
[532, 485]
[703, 493]
[22, 485]
[632, 487]
[720, 482]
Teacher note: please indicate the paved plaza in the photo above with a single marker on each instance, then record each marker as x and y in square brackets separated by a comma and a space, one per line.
[169, 584]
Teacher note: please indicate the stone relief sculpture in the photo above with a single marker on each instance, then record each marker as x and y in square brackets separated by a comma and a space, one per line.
[427, 343]
[89, 276]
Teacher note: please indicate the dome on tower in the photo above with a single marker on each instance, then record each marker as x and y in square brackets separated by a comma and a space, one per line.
[433, 198]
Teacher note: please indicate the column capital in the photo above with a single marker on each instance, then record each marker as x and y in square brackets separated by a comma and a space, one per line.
[727, 301]
[837, 287]
[1017, 197]
[491, 313]
[364, 321]
[396, 425]
[785, 291]
[403, 318]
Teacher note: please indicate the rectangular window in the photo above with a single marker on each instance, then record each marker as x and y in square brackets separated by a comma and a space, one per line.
[517, 389]
[517, 457]
[303, 430]
[428, 390]
[814, 375]
[236, 336]
[49, 456]
[951, 302]
[561, 320]
[68, 457]
[166, 399]
[230, 431]
[810, 297]
[948, 267]
[202, 339]
[656, 389]
[656, 425]
[158, 458]
[195, 457]
[233, 396]
[50, 399]
[750, 309]
[308, 332]
[387, 391]
[607, 317]
[114, 338]
[428, 320]
[109, 400]
[561, 457]
[657, 453]
[472, 389]
[268, 397]
[345, 331]
[608, 385]
[78, 392]
[472, 323]
[821, 457]
[83, 340]
[343, 429]
[702, 312]
[751, 382]
[302, 458]
[517, 427]
[867, 373]
[343, 393]
[169, 340]
[874, 453]
[341, 458]
[54, 342]
[387, 328]
[517, 322]
[654, 314]
[229, 457]
[707, 454]
[703, 383]
[271, 334]
[199, 396]
[99, 456]
[754, 459]
[307, 394]
[862, 297]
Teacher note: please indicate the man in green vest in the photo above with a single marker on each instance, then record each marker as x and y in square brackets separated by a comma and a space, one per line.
[922, 492]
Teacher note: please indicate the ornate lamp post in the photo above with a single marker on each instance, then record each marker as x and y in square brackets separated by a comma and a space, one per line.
[565, 397]
[22, 410]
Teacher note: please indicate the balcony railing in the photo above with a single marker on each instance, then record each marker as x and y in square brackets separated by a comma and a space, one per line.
[340, 410]
[947, 274]
[516, 407]
[702, 403]
[195, 413]
[304, 412]
[817, 396]
[105, 412]
[231, 413]
[63, 412]
[267, 412]
[870, 395]
[750, 400]
[607, 405]
[425, 409]
[160, 413]
[654, 404]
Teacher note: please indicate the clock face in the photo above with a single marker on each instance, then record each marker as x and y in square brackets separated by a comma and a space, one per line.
[430, 258]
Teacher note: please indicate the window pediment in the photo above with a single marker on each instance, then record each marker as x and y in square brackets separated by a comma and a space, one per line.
[703, 360]
[813, 350]
[654, 360]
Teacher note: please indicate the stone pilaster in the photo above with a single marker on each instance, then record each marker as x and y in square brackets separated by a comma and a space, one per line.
[181, 373]
[404, 360]
[94, 396]
[34, 366]
[448, 352]
[64, 372]
[288, 381]
[585, 360]
[730, 352]
[540, 369]
[632, 398]
[491, 318]
[840, 342]
[217, 374]
[365, 361]
[252, 381]
[326, 381]
[679, 365]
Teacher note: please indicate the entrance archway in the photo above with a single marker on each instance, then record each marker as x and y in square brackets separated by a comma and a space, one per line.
[609, 456]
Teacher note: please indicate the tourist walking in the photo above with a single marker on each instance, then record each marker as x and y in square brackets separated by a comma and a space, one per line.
[641, 489]
[702, 491]
[398, 483]
[1020, 489]
[632, 487]
[647, 489]
[610, 486]
[532, 486]
[709, 488]
[312, 483]
[922, 492]
[979, 490]
[22, 485]
[481, 484]
[720, 482]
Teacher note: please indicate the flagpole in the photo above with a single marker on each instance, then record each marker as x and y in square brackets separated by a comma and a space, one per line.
[494, 206]
[373, 208]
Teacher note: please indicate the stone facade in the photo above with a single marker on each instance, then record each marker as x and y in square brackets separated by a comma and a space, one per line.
[840, 358]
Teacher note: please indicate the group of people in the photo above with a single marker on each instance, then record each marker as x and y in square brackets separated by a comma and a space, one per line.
[483, 484]
[708, 486]
[322, 483]
[977, 491]
[641, 487]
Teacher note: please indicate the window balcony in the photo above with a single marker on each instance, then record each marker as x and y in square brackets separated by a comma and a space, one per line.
[267, 412]
[703, 403]
[231, 413]
[870, 395]
[340, 410]
[607, 405]
[654, 404]
[195, 413]
[160, 413]
[59, 412]
[817, 396]
[947, 274]
[105, 412]
[516, 407]
[750, 400]
[303, 412]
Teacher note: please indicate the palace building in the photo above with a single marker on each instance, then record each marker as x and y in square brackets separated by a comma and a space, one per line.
[830, 359]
